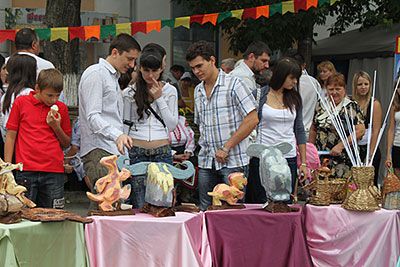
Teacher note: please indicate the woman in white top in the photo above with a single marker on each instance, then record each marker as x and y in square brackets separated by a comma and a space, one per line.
[281, 120]
[21, 81]
[393, 135]
[152, 109]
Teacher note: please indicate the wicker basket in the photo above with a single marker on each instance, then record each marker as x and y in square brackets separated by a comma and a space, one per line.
[365, 197]
[338, 190]
[391, 191]
[320, 194]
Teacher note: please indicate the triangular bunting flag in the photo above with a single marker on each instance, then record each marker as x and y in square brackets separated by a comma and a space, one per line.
[153, 25]
[182, 21]
[59, 33]
[43, 33]
[122, 28]
[76, 32]
[167, 23]
[300, 5]
[107, 31]
[196, 19]
[212, 18]
[323, 2]
[275, 9]
[287, 6]
[92, 31]
[397, 45]
[138, 27]
[7, 35]
[249, 13]
[237, 13]
[224, 15]
[262, 11]
[312, 3]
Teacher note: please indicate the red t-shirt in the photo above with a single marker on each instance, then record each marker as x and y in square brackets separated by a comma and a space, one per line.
[37, 146]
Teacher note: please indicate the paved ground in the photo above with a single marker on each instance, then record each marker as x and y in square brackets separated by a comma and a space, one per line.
[77, 202]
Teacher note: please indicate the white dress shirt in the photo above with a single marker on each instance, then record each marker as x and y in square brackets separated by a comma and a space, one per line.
[100, 108]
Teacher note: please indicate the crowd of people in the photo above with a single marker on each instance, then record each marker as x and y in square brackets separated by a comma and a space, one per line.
[130, 104]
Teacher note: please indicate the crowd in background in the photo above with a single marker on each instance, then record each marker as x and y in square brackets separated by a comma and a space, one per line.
[129, 103]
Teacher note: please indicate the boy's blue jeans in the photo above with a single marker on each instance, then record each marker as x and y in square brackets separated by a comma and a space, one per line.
[138, 183]
[46, 189]
[209, 178]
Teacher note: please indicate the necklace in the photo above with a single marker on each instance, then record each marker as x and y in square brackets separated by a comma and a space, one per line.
[278, 100]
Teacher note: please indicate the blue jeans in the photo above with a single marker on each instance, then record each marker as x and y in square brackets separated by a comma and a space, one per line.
[46, 189]
[292, 162]
[138, 183]
[209, 178]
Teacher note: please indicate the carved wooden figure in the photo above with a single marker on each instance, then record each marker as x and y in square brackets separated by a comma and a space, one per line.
[109, 187]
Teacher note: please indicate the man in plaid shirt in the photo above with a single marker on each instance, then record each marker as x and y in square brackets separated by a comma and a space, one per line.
[226, 114]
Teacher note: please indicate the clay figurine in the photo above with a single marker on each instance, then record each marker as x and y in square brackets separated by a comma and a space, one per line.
[275, 174]
[231, 193]
[159, 195]
[12, 195]
[109, 187]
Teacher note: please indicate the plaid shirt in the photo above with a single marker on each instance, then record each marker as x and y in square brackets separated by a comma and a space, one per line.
[219, 117]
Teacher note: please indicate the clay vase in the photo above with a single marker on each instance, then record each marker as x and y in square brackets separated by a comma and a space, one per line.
[365, 197]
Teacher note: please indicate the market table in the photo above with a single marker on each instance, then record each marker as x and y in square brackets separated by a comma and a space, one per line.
[254, 237]
[42, 244]
[338, 237]
[144, 240]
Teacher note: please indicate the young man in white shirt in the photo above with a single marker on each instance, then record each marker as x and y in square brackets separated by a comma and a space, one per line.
[226, 115]
[101, 106]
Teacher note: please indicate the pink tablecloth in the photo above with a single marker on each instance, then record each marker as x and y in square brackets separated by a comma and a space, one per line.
[254, 237]
[143, 240]
[337, 237]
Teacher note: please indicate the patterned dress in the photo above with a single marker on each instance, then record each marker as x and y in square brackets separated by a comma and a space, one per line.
[327, 136]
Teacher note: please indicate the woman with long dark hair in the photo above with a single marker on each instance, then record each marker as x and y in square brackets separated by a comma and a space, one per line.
[281, 120]
[152, 108]
[21, 81]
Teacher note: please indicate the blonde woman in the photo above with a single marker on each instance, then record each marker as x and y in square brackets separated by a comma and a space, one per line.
[362, 92]
[325, 70]
[393, 135]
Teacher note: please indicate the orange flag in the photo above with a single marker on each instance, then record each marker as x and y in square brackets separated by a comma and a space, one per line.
[210, 18]
[262, 11]
[92, 31]
[153, 25]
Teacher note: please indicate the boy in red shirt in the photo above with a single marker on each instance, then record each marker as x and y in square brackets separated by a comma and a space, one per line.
[39, 127]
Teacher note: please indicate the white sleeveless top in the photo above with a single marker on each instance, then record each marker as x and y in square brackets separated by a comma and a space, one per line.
[276, 126]
[396, 141]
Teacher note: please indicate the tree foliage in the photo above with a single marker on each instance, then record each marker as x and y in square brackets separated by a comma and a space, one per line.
[281, 31]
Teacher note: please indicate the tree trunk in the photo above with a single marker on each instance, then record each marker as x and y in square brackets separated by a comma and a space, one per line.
[305, 48]
[64, 55]
[305, 42]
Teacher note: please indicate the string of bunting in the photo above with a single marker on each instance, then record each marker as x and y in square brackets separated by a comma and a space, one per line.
[101, 32]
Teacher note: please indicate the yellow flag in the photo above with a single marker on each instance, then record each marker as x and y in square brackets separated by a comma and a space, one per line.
[287, 6]
[123, 28]
[237, 13]
[182, 21]
[59, 33]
